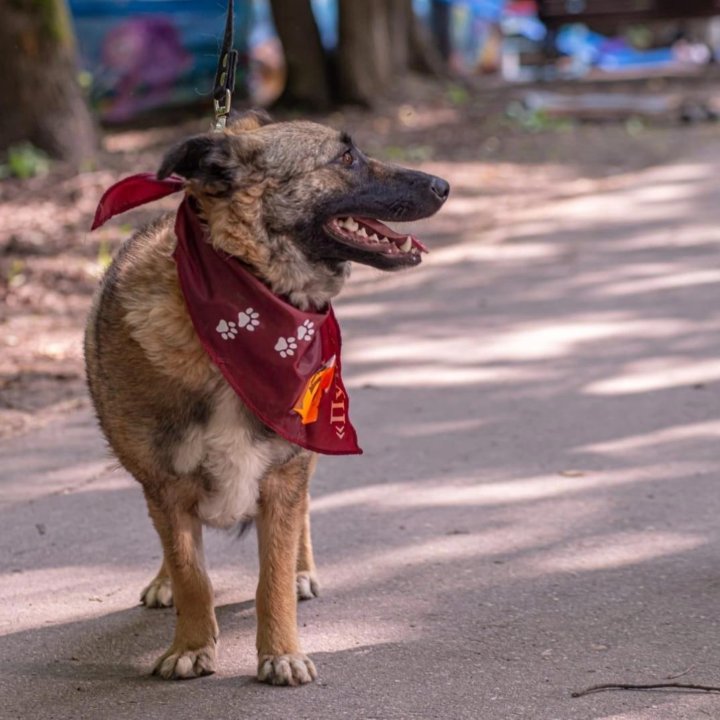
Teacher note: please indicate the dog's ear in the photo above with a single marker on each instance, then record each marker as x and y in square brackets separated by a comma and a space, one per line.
[214, 161]
[198, 158]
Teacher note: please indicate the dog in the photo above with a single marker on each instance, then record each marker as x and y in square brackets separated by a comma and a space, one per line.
[294, 204]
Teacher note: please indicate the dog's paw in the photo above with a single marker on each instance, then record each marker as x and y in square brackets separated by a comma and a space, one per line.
[180, 663]
[307, 585]
[158, 594]
[290, 669]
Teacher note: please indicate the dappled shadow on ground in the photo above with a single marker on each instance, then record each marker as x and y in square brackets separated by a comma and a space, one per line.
[536, 504]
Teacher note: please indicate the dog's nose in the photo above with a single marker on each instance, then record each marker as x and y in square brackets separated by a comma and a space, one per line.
[440, 188]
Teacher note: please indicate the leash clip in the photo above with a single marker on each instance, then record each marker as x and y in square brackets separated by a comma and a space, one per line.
[222, 110]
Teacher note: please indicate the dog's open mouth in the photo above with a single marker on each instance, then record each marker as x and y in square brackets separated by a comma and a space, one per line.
[372, 236]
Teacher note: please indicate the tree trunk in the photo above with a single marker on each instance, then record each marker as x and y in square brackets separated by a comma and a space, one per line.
[365, 56]
[440, 15]
[307, 83]
[379, 41]
[41, 100]
[400, 15]
[425, 56]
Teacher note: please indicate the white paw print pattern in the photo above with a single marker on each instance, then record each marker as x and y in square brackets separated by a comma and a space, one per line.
[227, 330]
[249, 319]
[286, 346]
[306, 331]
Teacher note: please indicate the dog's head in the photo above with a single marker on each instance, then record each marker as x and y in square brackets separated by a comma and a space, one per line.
[301, 192]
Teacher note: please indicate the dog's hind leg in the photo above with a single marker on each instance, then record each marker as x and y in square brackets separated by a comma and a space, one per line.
[306, 579]
[158, 594]
[280, 518]
[192, 652]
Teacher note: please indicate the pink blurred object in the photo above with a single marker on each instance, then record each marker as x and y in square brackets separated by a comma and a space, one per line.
[147, 55]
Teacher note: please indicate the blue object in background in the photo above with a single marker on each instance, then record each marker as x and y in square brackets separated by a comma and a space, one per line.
[590, 49]
[326, 17]
[147, 54]
[580, 43]
[629, 58]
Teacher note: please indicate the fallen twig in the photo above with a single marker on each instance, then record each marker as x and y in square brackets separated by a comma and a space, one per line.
[680, 674]
[643, 686]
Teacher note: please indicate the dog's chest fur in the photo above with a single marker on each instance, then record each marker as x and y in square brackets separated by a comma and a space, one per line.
[232, 455]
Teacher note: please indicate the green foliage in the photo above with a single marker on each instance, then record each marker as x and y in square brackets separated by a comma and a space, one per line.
[104, 256]
[411, 153]
[51, 18]
[24, 161]
[15, 273]
[536, 121]
[640, 36]
[88, 165]
[85, 80]
[458, 95]
[634, 126]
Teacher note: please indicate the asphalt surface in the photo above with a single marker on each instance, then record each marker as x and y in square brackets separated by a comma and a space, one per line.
[536, 510]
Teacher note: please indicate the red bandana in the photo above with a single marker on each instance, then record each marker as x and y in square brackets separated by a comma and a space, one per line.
[283, 363]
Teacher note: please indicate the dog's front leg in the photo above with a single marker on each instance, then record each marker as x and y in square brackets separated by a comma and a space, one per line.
[279, 522]
[192, 652]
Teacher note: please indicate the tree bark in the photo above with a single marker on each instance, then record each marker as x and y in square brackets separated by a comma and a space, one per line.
[379, 41]
[440, 14]
[307, 84]
[364, 50]
[424, 55]
[400, 15]
[41, 100]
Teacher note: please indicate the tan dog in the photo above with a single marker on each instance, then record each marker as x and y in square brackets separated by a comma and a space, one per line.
[289, 201]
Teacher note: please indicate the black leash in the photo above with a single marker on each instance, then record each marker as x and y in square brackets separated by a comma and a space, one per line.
[225, 73]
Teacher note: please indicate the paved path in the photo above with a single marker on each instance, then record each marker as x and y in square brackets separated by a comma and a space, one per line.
[537, 509]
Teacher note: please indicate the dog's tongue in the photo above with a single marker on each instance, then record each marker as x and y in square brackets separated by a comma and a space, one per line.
[387, 232]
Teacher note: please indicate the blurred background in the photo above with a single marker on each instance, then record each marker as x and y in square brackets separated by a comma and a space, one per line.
[509, 99]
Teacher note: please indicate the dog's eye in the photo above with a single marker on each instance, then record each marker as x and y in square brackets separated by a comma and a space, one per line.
[347, 159]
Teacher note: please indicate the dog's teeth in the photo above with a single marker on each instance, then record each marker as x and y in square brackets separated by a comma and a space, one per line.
[405, 247]
[374, 238]
[351, 225]
[362, 233]
[343, 223]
